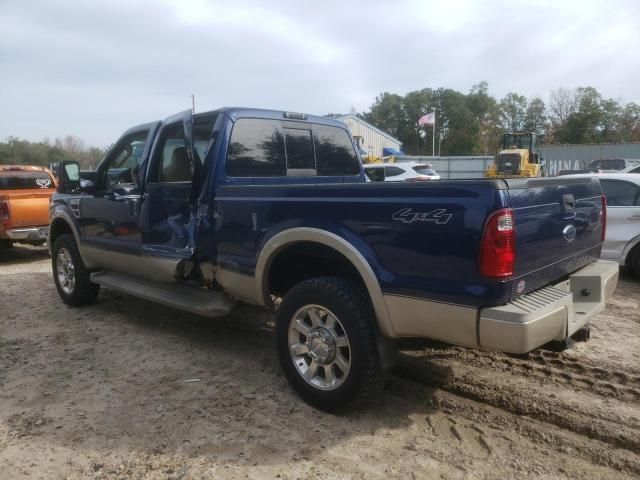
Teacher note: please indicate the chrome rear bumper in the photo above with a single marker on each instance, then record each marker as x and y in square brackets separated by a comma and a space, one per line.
[32, 234]
[551, 313]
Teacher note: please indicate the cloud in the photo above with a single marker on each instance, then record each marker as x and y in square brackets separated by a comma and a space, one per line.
[95, 68]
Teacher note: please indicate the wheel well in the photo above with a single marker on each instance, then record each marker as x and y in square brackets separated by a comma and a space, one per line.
[58, 227]
[635, 250]
[304, 260]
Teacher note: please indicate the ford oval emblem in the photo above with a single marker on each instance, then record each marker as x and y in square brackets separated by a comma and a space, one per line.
[569, 233]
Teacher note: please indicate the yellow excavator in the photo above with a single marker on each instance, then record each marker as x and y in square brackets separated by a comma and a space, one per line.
[518, 157]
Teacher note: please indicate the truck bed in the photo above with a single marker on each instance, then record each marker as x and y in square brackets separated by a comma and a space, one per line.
[422, 240]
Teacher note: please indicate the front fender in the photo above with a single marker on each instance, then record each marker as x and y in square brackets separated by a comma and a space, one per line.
[63, 220]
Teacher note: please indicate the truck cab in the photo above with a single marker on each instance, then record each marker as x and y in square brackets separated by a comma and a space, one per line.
[518, 158]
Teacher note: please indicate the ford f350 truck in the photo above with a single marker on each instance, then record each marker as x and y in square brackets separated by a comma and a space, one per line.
[200, 211]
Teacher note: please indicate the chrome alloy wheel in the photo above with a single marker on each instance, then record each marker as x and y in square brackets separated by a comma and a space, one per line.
[65, 271]
[319, 347]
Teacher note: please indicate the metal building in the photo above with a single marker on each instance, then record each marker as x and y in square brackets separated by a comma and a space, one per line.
[369, 138]
[578, 157]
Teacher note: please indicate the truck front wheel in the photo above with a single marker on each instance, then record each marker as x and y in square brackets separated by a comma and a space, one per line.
[71, 277]
[326, 343]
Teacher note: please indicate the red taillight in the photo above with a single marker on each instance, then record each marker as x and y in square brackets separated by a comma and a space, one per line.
[603, 216]
[498, 246]
[5, 212]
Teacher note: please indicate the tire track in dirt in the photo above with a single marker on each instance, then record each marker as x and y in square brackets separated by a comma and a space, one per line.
[482, 385]
[583, 367]
[563, 371]
[487, 430]
[549, 366]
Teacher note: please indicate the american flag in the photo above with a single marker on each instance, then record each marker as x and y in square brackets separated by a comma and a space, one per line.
[428, 119]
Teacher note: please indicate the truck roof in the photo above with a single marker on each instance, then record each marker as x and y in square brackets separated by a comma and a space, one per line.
[245, 112]
[236, 113]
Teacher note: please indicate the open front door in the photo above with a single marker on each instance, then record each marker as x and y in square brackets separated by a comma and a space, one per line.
[165, 217]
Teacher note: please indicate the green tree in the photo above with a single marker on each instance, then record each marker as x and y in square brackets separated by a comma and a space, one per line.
[514, 112]
[386, 113]
[535, 118]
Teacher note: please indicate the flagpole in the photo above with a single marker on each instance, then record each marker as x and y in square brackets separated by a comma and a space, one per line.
[433, 145]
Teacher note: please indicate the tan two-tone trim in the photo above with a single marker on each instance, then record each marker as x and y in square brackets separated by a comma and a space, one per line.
[304, 234]
[416, 317]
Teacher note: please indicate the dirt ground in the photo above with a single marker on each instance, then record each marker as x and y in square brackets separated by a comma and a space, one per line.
[128, 389]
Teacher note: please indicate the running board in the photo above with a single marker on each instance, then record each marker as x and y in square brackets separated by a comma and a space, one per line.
[183, 297]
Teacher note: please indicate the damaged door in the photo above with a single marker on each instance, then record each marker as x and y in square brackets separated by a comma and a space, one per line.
[167, 220]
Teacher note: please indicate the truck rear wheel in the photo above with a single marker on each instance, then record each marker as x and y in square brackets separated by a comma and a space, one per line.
[326, 343]
[71, 277]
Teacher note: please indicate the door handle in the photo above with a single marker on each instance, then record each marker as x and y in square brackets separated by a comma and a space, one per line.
[634, 217]
[133, 206]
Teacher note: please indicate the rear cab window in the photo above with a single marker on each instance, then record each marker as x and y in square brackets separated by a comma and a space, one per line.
[24, 180]
[272, 148]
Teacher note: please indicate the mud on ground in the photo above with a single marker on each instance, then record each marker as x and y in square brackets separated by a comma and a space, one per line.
[128, 389]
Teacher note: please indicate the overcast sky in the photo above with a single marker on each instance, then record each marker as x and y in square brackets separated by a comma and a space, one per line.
[94, 68]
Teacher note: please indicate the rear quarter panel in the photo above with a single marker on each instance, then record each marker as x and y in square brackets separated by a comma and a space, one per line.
[421, 240]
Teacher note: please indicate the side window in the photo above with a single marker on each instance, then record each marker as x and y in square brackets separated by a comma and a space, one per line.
[620, 193]
[174, 162]
[635, 170]
[125, 159]
[375, 174]
[256, 149]
[335, 154]
[393, 171]
[299, 151]
[202, 130]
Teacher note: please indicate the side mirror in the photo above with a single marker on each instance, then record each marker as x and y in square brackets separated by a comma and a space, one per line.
[69, 176]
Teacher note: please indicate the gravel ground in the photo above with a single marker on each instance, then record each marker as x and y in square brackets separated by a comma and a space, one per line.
[128, 389]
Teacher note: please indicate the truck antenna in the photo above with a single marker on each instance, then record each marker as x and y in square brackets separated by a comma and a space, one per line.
[193, 103]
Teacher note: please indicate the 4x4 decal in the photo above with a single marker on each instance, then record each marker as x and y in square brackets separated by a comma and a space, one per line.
[408, 215]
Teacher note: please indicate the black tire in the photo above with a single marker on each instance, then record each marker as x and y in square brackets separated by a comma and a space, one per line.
[5, 244]
[634, 261]
[352, 308]
[83, 291]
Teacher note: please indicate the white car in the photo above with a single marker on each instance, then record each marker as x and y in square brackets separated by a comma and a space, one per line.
[631, 169]
[400, 172]
[612, 165]
[622, 239]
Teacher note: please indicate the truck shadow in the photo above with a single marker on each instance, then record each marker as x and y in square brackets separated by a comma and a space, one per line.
[20, 254]
[158, 381]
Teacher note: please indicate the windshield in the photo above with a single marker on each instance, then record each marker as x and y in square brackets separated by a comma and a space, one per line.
[516, 141]
[12, 180]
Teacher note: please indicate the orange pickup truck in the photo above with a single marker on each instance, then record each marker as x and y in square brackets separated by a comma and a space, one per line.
[24, 204]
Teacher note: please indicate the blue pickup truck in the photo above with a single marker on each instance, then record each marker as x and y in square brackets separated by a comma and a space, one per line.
[198, 212]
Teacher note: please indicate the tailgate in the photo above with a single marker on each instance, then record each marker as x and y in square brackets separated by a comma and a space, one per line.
[28, 208]
[558, 224]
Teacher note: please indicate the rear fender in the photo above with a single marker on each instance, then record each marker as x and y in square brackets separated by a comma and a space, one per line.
[303, 234]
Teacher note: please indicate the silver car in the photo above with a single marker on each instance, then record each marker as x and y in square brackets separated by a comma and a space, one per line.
[622, 239]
